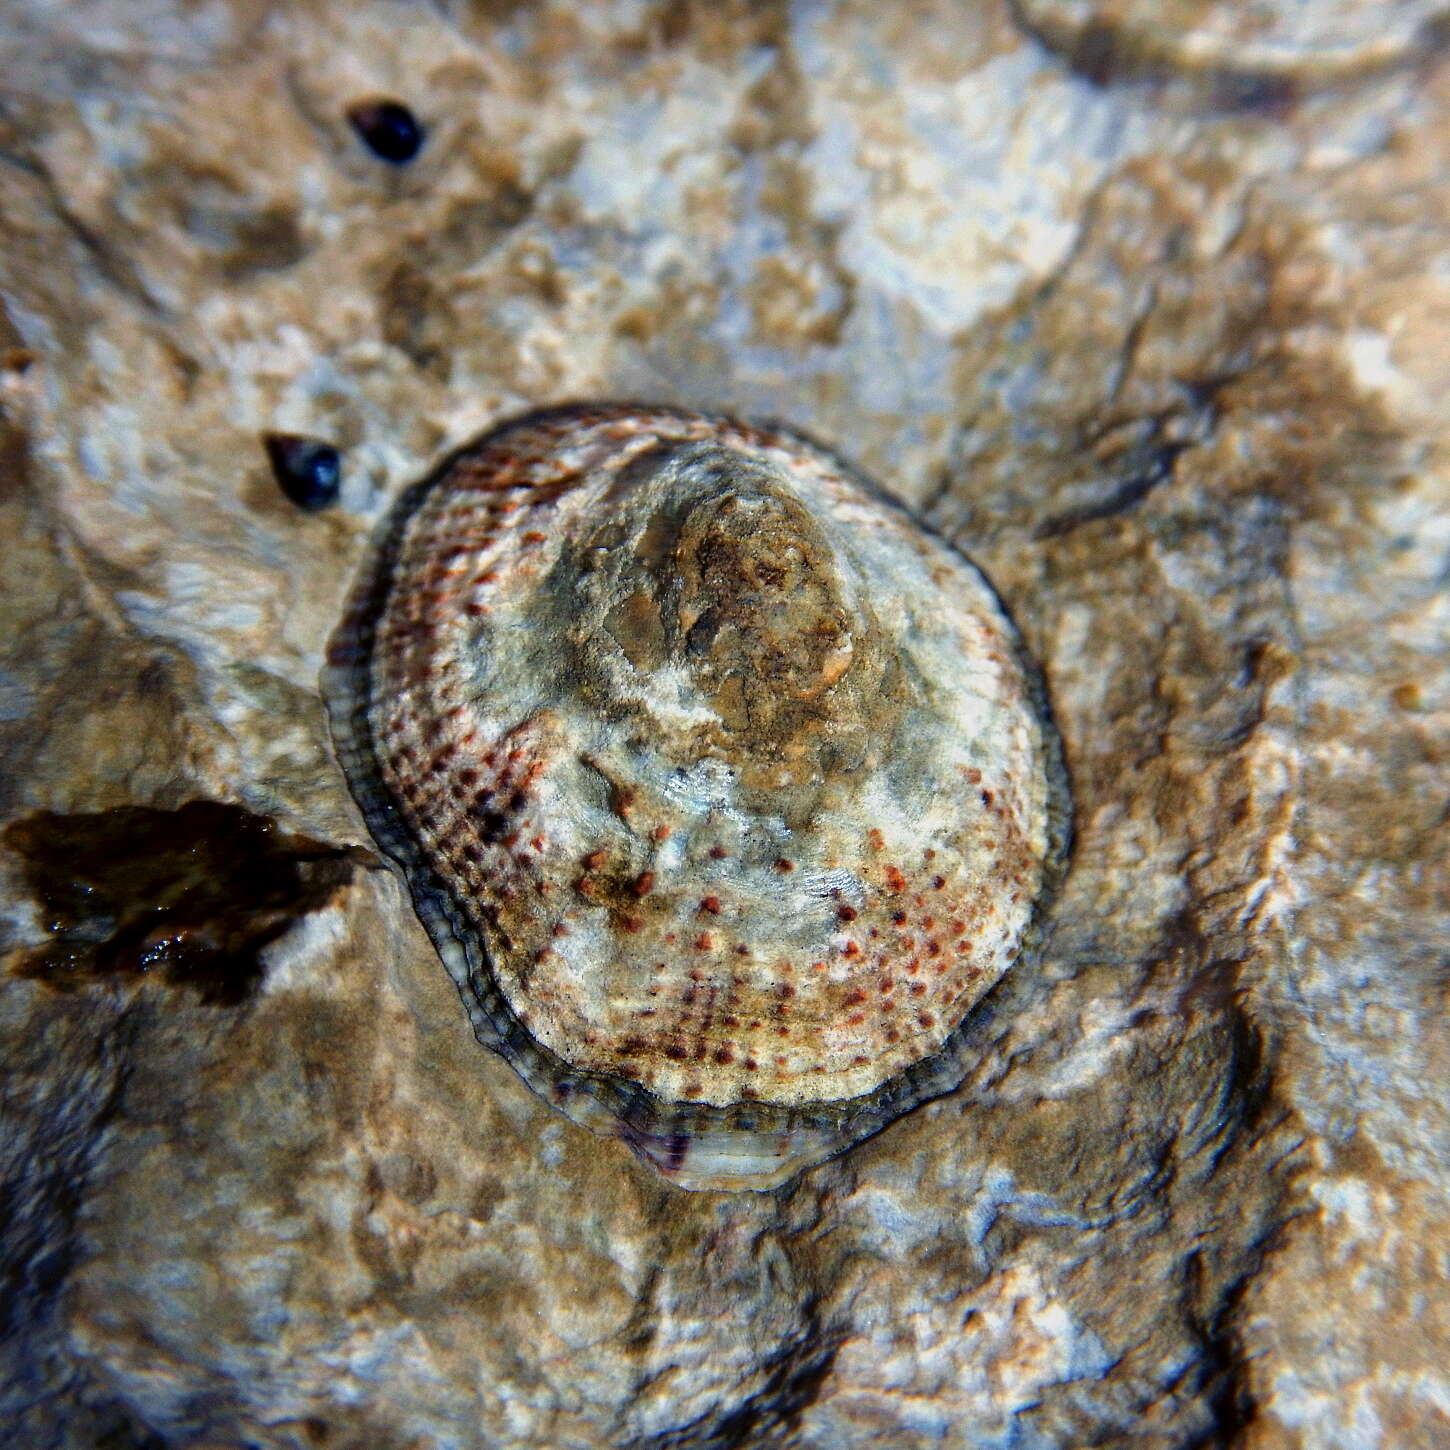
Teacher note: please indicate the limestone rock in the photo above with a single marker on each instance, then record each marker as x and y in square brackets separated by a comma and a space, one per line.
[1151, 321]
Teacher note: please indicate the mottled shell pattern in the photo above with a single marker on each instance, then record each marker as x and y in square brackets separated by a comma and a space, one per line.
[723, 787]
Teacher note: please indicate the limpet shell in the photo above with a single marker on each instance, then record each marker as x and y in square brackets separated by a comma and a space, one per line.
[723, 787]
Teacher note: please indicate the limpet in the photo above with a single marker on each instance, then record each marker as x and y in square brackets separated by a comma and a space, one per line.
[724, 789]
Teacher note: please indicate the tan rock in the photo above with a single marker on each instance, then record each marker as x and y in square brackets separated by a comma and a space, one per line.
[1164, 351]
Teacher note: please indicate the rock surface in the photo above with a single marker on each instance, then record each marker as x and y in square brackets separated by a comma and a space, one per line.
[1151, 315]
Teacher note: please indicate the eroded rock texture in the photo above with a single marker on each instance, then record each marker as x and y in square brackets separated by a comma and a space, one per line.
[1146, 307]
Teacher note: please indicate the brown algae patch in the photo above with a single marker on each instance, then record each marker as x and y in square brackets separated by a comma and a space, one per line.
[186, 897]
